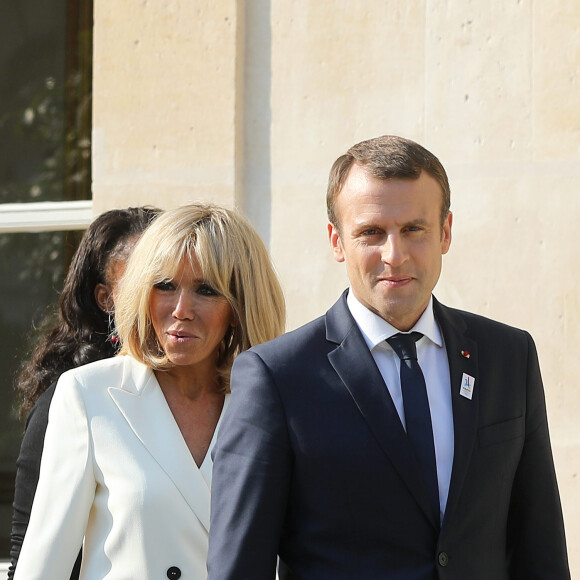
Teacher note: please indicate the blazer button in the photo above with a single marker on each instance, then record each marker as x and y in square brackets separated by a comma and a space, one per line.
[174, 573]
[443, 559]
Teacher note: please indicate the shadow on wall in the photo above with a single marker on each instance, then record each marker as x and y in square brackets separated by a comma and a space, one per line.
[255, 197]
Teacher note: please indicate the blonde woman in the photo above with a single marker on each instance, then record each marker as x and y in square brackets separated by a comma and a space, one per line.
[127, 462]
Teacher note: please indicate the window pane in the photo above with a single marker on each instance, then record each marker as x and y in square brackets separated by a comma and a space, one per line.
[32, 268]
[45, 97]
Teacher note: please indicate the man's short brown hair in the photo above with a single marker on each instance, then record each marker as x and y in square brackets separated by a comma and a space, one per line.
[387, 157]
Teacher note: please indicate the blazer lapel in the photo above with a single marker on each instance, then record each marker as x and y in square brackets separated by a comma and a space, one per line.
[463, 360]
[354, 364]
[142, 404]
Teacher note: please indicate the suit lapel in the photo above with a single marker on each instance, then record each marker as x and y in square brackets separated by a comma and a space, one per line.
[355, 366]
[142, 404]
[463, 359]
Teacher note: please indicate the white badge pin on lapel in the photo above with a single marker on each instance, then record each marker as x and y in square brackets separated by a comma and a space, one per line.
[467, 382]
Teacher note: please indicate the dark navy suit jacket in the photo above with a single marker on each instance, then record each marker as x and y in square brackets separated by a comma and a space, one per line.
[312, 464]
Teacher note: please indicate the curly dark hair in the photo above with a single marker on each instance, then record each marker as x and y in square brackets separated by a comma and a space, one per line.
[80, 333]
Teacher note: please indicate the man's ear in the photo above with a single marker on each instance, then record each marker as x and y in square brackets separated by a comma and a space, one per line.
[104, 298]
[446, 233]
[335, 243]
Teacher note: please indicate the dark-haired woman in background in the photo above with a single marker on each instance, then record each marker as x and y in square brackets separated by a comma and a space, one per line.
[82, 333]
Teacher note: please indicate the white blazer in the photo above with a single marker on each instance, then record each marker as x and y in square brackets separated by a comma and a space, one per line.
[117, 472]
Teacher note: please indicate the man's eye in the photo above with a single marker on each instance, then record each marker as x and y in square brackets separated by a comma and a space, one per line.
[370, 232]
[165, 286]
[207, 290]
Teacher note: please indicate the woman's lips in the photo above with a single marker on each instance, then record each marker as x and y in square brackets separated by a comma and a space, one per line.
[179, 335]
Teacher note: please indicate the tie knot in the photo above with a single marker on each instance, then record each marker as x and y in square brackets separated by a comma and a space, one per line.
[405, 344]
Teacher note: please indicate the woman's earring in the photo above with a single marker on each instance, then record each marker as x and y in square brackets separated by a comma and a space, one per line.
[113, 336]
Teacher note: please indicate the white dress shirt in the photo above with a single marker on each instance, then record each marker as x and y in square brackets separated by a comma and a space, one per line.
[432, 358]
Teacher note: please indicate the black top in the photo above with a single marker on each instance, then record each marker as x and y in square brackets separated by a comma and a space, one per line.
[27, 473]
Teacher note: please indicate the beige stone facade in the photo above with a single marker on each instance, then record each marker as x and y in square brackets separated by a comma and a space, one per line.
[249, 103]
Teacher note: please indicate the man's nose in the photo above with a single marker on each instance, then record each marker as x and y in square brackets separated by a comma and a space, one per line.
[394, 250]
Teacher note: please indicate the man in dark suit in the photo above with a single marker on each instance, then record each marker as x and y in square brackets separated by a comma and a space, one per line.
[393, 438]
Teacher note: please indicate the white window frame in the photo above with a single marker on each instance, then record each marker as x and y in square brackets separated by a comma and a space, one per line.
[45, 216]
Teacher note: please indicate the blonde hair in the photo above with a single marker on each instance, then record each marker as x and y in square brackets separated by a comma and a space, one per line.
[232, 259]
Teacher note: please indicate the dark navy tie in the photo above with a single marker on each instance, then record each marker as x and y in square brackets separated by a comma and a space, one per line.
[416, 406]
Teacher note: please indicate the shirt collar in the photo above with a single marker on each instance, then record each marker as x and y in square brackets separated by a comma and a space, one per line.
[376, 330]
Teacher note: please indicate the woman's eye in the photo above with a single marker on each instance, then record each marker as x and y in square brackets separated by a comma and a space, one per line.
[165, 286]
[206, 290]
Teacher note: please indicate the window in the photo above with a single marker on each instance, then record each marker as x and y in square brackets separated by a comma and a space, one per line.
[45, 176]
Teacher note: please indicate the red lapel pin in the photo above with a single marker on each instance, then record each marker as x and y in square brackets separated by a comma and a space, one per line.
[465, 353]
